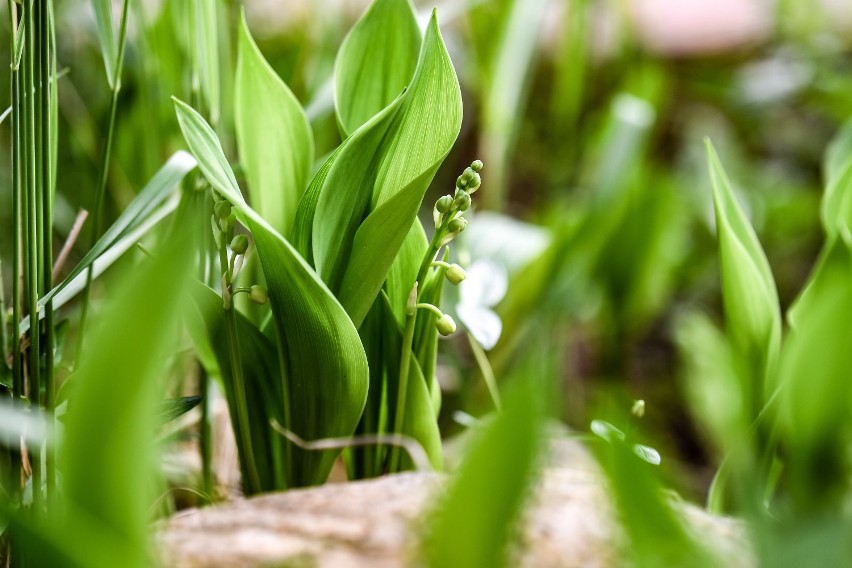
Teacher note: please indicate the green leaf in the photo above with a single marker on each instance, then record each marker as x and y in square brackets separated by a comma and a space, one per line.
[106, 37]
[473, 525]
[394, 179]
[175, 408]
[275, 139]
[814, 372]
[207, 53]
[343, 200]
[117, 389]
[326, 369]
[836, 212]
[375, 62]
[419, 420]
[751, 303]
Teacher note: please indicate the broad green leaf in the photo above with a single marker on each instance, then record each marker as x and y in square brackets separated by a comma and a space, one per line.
[375, 62]
[814, 372]
[106, 37]
[117, 389]
[473, 526]
[341, 208]
[836, 210]
[751, 303]
[426, 124]
[375, 248]
[326, 369]
[429, 120]
[275, 139]
[403, 271]
[302, 235]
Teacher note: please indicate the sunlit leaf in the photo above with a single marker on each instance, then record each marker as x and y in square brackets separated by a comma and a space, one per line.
[275, 140]
[375, 62]
[384, 189]
[326, 369]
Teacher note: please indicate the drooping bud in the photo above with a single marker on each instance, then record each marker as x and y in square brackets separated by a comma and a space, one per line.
[460, 183]
[474, 183]
[445, 325]
[222, 210]
[476, 166]
[459, 198]
[239, 244]
[258, 294]
[455, 274]
[443, 204]
[457, 225]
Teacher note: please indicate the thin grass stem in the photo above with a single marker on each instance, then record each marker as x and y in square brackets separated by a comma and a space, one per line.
[104, 174]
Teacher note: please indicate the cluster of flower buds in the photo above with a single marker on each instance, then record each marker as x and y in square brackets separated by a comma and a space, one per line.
[223, 220]
[448, 211]
[449, 223]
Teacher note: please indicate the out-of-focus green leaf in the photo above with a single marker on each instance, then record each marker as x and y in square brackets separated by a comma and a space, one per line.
[473, 526]
[814, 372]
[375, 62]
[172, 409]
[106, 37]
[139, 217]
[274, 136]
[152, 196]
[514, 39]
[657, 537]
[326, 368]
[118, 386]
[751, 303]
[207, 53]
[837, 202]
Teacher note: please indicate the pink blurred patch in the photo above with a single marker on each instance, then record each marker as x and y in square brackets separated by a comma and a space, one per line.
[697, 27]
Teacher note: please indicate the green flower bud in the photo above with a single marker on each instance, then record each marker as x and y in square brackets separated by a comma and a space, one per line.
[457, 225]
[476, 166]
[258, 294]
[455, 274]
[474, 183]
[460, 182]
[239, 244]
[443, 204]
[461, 201]
[222, 210]
[445, 325]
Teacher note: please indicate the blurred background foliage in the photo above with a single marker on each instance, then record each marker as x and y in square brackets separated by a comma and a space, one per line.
[589, 116]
